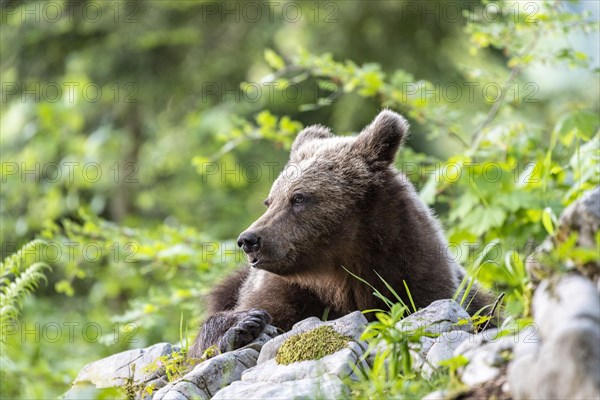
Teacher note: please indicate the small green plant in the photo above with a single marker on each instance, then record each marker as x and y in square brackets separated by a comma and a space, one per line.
[391, 371]
[567, 255]
[18, 281]
[210, 352]
[453, 364]
[392, 345]
[176, 365]
[130, 389]
[312, 345]
[392, 364]
[385, 330]
[389, 303]
[173, 365]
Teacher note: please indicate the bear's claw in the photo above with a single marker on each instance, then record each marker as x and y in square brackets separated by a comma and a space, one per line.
[248, 327]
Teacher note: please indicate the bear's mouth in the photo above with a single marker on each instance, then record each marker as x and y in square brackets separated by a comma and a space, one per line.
[260, 260]
[253, 259]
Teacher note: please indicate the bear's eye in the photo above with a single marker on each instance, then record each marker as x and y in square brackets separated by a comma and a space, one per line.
[298, 198]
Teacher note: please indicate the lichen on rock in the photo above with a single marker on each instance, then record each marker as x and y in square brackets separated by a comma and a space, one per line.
[312, 345]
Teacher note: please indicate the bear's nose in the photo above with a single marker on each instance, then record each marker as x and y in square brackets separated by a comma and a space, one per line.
[249, 242]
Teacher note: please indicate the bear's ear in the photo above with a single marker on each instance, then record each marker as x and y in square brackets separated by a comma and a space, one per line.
[310, 133]
[379, 142]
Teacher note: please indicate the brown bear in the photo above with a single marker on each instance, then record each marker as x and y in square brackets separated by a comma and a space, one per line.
[338, 205]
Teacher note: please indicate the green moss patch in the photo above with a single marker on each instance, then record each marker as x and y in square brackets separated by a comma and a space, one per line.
[311, 345]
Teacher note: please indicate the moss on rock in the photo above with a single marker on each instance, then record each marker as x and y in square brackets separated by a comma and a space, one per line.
[311, 345]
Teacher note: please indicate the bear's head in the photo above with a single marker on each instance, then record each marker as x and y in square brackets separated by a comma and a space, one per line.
[319, 204]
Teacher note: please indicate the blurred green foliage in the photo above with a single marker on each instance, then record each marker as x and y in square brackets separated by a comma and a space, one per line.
[139, 138]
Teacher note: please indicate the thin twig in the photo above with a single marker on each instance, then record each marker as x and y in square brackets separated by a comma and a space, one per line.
[491, 314]
[478, 135]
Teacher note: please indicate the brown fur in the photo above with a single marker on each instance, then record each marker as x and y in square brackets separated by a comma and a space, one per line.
[356, 211]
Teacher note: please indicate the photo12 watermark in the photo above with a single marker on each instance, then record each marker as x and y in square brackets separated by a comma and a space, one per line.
[469, 92]
[440, 172]
[98, 250]
[69, 172]
[271, 11]
[70, 92]
[51, 12]
[469, 11]
[69, 331]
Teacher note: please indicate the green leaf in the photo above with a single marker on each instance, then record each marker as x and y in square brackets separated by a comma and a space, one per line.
[483, 219]
[463, 206]
[64, 286]
[585, 124]
[273, 59]
[547, 220]
[455, 362]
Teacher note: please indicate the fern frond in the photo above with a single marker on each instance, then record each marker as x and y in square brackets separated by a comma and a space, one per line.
[17, 282]
[13, 294]
[14, 263]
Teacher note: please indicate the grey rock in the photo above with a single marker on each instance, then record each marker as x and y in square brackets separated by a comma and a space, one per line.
[184, 391]
[526, 348]
[214, 374]
[351, 325]
[591, 201]
[439, 317]
[117, 369]
[478, 340]
[569, 298]
[443, 349]
[425, 344]
[503, 345]
[323, 387]
[305, 379]
[129, 367]
[487, 355]
[211, 375]
[566, 362]
[418, 351]
[337, 364]
[175, 396]
[482, 367]
[583, 216]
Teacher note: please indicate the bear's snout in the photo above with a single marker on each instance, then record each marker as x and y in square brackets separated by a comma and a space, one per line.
[249, 242]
